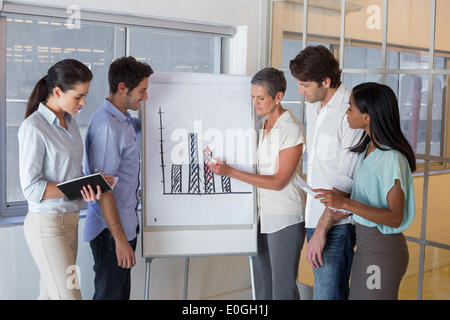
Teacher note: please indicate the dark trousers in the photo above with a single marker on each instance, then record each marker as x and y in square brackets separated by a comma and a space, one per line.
[276, 264]
[111, 281]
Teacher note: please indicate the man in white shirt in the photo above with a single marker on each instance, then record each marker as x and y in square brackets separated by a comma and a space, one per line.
[330, 243]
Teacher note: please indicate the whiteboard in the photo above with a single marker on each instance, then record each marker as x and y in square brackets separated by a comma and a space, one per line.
[187, 210]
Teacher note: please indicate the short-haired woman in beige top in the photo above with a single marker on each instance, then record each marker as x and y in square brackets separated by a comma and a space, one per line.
[280, 200]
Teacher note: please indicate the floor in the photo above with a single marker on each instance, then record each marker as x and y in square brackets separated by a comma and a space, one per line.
[436, 285]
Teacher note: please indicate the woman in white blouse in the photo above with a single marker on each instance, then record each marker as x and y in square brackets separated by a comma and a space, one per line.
[280, 200]
[50, 152]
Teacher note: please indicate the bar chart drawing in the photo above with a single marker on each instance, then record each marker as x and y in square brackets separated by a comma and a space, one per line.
[200, 179]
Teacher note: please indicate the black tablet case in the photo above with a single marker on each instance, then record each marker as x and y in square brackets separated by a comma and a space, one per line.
[72, 188]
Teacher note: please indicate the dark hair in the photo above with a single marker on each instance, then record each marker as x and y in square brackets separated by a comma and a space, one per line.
[64, 74]
[127, 70]
[316, 64]
[380, 103]
[272, 79]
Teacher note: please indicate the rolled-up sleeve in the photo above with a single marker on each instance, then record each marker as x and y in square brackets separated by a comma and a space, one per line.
[31, 158]
[347, 159]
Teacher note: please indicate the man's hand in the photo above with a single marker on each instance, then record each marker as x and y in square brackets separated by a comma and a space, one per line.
[316, 244]
[315, 247]
[125, 254]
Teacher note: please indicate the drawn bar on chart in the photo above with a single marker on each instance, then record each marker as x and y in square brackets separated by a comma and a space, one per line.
[161, 141]
[194, 166]
[176, 178]
[226, 184]
[208, 174]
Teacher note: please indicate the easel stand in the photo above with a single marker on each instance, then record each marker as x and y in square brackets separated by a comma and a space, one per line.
[148, 262]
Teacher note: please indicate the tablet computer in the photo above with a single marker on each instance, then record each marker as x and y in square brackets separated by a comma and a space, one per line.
[72, 188]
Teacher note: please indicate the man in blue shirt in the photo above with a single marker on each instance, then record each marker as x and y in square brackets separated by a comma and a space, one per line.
[111, 146]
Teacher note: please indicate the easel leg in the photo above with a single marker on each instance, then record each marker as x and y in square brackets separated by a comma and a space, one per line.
[148, 262]
[252, 278]
[186, 277]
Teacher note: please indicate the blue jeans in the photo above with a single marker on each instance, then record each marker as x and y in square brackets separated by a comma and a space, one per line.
[331, 279]
[111, 281]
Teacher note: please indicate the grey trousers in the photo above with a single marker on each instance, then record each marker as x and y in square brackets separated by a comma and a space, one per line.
[379, 264]
[276, 264]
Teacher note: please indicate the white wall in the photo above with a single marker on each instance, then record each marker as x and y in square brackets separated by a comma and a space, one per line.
[209, 277]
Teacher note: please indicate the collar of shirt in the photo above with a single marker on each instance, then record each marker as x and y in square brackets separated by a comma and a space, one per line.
[284, 117]
[376, 150]
[335, 99]
[116, 113]
[50, 116]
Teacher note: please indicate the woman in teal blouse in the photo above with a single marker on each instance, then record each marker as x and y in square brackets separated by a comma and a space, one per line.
[382, 197]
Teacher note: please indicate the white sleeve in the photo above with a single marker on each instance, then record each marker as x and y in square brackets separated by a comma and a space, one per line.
[347, 159]
[31, 158]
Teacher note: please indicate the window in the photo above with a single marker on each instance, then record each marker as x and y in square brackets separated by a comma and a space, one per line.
[176, 50]
[28, 58]
[35, 42]
[363, 62]
[410, 89]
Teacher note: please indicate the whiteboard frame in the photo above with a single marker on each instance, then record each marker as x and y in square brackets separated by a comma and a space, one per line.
[188, 237]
